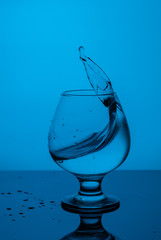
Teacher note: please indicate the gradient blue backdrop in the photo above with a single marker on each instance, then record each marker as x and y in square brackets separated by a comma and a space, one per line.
[39, 43]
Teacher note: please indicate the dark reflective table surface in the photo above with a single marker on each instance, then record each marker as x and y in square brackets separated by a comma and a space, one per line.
[30, 205]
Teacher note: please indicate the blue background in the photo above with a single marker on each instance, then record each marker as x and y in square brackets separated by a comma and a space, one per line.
[39, 59]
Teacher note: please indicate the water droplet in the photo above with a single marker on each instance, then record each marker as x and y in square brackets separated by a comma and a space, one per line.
[19, 191]
[25, 200]
[9, 209]
[31, 208]
[81, 52]
[9, 193]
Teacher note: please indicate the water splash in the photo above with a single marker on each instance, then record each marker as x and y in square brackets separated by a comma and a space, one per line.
[96, 76]
[99, 81]
[95, 141]
[85, 139]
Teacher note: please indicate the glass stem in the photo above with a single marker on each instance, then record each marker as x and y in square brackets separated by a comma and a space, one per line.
[90, 222]
[90, 186]
[91, 227]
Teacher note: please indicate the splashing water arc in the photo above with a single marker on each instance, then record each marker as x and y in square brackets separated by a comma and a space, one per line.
[96, 76]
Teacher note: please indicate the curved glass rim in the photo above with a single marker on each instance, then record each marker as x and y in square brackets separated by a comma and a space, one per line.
[79, 93]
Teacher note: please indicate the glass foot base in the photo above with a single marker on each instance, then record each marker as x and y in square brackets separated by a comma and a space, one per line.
[89, 205]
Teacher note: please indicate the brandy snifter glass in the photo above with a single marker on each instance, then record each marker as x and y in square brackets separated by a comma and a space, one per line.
[89, 138]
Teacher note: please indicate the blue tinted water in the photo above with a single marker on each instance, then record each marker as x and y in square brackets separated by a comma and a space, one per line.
[89, 133]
